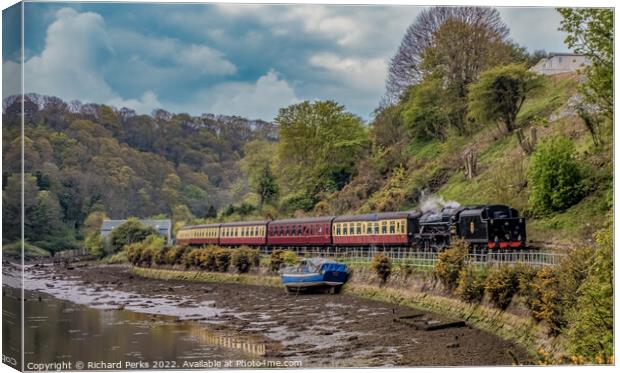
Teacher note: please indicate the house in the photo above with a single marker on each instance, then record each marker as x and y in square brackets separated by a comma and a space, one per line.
[164, 227]
[558, 63]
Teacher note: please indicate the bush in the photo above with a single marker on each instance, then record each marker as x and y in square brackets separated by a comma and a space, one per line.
[470, 286]
[129, 232]
[133, 252]
[450, 263]
[222, 259]
[501, 285]
[555, 176]
[382, 266]
[94, 243]
[591, 319]
[174, 254]
[276, 260]
[161, 256]
[244, 258]
[290, 257]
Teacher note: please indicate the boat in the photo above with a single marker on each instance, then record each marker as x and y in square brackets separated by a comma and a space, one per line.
[315, 274]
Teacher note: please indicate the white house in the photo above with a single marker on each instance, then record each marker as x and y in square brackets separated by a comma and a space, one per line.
[558, 63]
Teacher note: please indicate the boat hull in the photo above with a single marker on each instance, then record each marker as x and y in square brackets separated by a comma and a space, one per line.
[310, 280]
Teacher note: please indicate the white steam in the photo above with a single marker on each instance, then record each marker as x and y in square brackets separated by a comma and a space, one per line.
[435, 204]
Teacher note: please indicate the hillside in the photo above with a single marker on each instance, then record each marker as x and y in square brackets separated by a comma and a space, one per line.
[435, 168]
[86, 159]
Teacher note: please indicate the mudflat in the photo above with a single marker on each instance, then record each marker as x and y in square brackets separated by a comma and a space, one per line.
[318, 329]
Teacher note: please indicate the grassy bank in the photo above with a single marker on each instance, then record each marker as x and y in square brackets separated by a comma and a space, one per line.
[203, 276]
[520, 330]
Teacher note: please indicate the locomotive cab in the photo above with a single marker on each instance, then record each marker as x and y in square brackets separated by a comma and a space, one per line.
[492, 227]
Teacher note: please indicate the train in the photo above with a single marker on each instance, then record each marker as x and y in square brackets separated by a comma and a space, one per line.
[483, 227]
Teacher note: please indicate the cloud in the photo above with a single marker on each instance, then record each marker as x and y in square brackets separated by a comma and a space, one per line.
[259, 100]
[75, 44]
[206, 60]
[367, 74]
[80, 49]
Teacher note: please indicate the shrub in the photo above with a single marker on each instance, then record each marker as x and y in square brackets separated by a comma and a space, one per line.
[501, 285]
[276, 260]
[222, 259]
[174, 254]
[244, 258]
[546, 300]
[161, 256]
[470, 286]
[382, 266]
[129, 232]
[94, 243]
[449, 264]
[555, 176]
[591, 319]
[290, 257]
[133, 252]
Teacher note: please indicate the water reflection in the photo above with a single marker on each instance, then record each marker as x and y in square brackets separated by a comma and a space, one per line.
[58, 330]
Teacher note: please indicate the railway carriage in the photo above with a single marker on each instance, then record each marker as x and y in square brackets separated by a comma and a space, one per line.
[300, 232]
[252, 233]
[380, 229]
[206, 234]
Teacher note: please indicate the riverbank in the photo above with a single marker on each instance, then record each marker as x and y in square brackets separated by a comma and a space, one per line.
[522, 330]
[320, 330]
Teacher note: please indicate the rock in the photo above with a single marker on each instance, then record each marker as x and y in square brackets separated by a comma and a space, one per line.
[453, 345]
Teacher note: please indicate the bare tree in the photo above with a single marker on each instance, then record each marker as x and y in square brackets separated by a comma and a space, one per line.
[405, 66]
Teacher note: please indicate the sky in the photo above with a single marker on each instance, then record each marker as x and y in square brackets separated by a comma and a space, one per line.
[233, 59]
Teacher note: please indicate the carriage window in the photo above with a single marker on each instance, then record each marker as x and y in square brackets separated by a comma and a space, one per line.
[376, 228]
[384, 227]
[345, 229]
[358, 228]
[392, 227]
[368, 228]
[338, 229]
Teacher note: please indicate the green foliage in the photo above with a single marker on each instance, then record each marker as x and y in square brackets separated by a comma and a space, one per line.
[174, 254]
[500, 93]
[555, 176]
[276, 260]
[94, 243]
[424, 114]
[129, 232]
[244, 258]
[319, 146]
[450, 263]
[382, 265]
[591, 32]
[501, 285]
[470, 286]
[459, 52]
[222, 259]
[94, 160]
[591, 320]
[14, 250]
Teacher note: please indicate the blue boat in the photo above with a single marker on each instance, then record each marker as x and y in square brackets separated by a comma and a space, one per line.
[315, 274]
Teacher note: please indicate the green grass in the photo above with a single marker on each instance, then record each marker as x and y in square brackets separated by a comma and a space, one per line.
[14, 250]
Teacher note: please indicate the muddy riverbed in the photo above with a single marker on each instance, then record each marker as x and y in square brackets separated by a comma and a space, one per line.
[318, 330]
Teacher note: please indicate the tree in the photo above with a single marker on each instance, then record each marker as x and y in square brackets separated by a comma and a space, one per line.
[555, 177]
[129, 232]
[458, 53]
[500, 93]
[405, 67]
[319, 146]
[267, 188]
[591, 32]
[424, 112]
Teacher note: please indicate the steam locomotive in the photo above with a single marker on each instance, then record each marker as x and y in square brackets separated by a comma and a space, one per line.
[484, 227]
